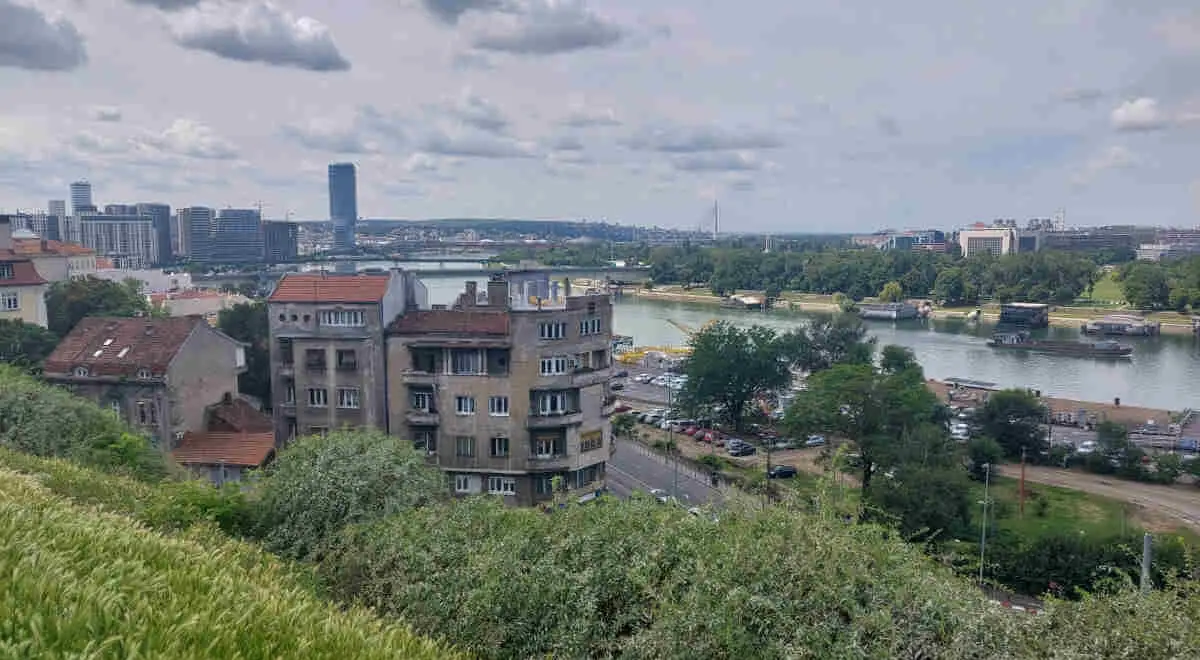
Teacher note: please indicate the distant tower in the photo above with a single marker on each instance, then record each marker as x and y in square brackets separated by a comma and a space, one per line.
[57, 207]
[81, 197]
[1060, 220]
[767, 245]
[343, 203]
[716, 219]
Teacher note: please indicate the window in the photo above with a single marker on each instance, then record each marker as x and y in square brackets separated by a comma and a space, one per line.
[81, 372]
[544, 484]
[425, 440]
[286, 355]
[318, 397]
[314, 359]
[9, 301]
[422, 401]
[499, 447]
[347, 397]
[498, 406]
[552, 366]
[147, 413]
[464, 445]
[464, 405]
[115, 406]
[465, 362]
[6, 271]
[143, 374]
[502, 486]
[343, 318]
[289, 396]
[462, 483]
[552, 330]
[318, 430]
[346, 360]
[552, 403]
[590, 326]
[591, 441]
[548, 446]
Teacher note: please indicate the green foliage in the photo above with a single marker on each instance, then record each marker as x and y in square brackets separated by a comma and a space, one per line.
[47, 421]
[71, 300]
[80, 583]
[624, 425]
[983, 451]
[25, 345]
[893, 359]
[927, 503]
[320, 484]
[730, 367]
[1014, 419]
[892, 292]
[247, 322]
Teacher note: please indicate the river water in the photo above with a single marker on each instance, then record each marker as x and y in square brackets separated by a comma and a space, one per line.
[1164, 372]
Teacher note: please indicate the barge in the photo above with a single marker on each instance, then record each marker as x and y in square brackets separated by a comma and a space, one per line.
[887, 311]
[1022, 341]
[1124, 325]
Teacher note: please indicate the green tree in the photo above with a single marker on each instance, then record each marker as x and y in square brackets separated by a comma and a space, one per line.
[320, 484]
[1014, 419]
[893, 359]
[248, 322]
[892, 292]
[1145, 285]
[730, 367]
[827, 341]
[950, 287]
[71, 300]
[982, 451]
[25, 345]
[927, 503]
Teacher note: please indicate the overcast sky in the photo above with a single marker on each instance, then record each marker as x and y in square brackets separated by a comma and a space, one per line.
[799, 115]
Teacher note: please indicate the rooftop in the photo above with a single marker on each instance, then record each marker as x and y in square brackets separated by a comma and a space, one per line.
[330, 288]
[36, 247]
[109, 346]
[233, 449]
[451, 321]
[236, 415]
[17, 271]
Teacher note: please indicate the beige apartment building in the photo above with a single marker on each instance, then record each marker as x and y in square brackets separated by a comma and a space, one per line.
[508, 388]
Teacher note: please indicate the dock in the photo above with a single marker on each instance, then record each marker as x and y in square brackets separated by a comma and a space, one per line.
[974, 393]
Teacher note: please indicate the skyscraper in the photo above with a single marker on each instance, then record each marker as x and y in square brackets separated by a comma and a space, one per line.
[81, 198]
[195, 232]
[343, 204]
[161, 214]
[57, 207]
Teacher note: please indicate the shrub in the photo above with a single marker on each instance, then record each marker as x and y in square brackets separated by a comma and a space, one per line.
[81, 583]
[48, 421]
[318, 485]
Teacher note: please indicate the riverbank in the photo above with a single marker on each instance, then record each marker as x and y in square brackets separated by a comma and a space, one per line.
[1063, 317]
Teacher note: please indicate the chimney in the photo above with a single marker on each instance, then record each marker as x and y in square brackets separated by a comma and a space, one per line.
[497, 293]
[471, 297]
[6, 232]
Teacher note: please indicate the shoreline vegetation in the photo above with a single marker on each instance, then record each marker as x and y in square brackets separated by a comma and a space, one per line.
[1060, 316]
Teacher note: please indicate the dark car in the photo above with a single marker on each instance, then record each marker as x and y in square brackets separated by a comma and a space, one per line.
[621, 374]
[782, 472]
[742, 449]
[616, 386]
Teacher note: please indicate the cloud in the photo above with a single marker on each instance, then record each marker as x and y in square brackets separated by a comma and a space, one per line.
[368, 131]
[1182, 33]
[694, 139]
[449, 11]
[471, 60]
[478, 112]
[430, 166]
[546, 27]
[193, 139]
[29, 39]
[259, 31]
[1110, 158]
[92, 143]
[1084, 96]
[168, 5]
[721, 161]
[473, 145]
[1139, 115]
[105, 113]
[586, 117]
[888, 126]
[565, 143]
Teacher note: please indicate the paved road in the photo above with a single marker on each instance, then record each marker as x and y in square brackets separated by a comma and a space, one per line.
[636, 468]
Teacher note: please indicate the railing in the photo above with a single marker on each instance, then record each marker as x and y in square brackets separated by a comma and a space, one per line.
[553, 420]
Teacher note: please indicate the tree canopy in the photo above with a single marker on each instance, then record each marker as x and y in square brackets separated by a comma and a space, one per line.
[25, 345]
[247, 322]
[71, 300]
[1173, 284]
[730, 367]
[1014, 418]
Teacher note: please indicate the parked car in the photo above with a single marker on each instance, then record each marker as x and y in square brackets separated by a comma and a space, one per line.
[781, 472]
[660, 495]
[814, 441]
[742, 449]
[615, 387]
[621, 374]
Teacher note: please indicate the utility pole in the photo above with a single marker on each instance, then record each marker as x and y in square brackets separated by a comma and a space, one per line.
[987, 478]
[1021, 490]
[1147, 554]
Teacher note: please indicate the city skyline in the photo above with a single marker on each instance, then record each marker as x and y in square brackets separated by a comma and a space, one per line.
[799, 119]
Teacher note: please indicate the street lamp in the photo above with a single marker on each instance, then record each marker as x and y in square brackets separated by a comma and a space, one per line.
[987, 477]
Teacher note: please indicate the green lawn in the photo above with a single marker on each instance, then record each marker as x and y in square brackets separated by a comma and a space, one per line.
[1107, 289]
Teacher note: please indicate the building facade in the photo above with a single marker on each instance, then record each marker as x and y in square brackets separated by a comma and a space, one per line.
[237, 237]
[81, 198]
[328, 350]
[22, 287]
[160, 216]
[509, 389]
[995, 240]
[280, 242]
[57, 261]
[195, 232]
[159, 375]
[343, 204]
[130, 241]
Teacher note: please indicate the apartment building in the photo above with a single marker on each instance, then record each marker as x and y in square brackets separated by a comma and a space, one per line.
[159, 375]
[508, 388]
[328, 349]
[22, 287]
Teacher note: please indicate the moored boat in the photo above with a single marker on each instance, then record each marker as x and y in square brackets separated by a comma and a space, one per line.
[1023, 341]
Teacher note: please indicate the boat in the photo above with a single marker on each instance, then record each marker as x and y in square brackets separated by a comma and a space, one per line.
[1128, 325]
[742, 302]
[1023, 341]
[887, 311]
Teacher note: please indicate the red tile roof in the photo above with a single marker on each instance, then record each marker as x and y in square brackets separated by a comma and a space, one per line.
[23, 273]
[234, 449]
[237, 415]
[99, 344]
[451, 321]
[330, 288]
[39, 246]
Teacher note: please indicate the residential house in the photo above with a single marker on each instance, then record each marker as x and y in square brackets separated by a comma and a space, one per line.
[224, 457]
[22, 287]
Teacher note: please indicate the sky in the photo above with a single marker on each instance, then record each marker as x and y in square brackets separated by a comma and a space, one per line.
[797, 115]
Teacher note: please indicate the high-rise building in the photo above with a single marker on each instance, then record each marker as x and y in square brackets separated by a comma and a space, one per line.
[161, 215]
[195, 232]
[128, 240]
[81, 198]
[120, 209]
[237, 237]
[280, 242]
[57, 207]
[343, 204]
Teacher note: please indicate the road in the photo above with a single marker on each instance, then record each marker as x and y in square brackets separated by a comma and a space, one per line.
[634, 467]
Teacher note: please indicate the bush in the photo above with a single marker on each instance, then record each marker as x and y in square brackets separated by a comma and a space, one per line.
[81, 583]
[48, 421]
[318, 485]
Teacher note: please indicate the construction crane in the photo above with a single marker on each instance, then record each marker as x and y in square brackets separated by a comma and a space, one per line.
[689, 330]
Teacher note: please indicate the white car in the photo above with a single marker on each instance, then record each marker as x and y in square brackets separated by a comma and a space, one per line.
[660, 495]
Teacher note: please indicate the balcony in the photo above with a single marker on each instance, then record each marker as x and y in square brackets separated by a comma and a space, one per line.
[555, 420]
[586, 377]
[419, 417]
[314, 367]
[287, 368]
[544, 463]
[411, 377]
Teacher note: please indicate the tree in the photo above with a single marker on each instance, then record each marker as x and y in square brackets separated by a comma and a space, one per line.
[950, 287]
[828, 341]
[982, 451]
[1014, 419]
[893, 359]
[892, 292]
[730, 367]
[1145, 285]
[320, 484]
[931, 503]
[71, 300]
[25, 345]
[248, 322]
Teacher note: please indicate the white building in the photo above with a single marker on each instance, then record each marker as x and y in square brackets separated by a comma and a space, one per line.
[129, 241]
[996, 240]
[151, 280]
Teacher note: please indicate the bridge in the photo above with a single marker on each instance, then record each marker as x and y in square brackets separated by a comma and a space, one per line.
[626, 276]
[416, 256]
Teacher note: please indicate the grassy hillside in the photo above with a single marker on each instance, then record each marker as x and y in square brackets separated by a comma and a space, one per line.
[85, 583]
